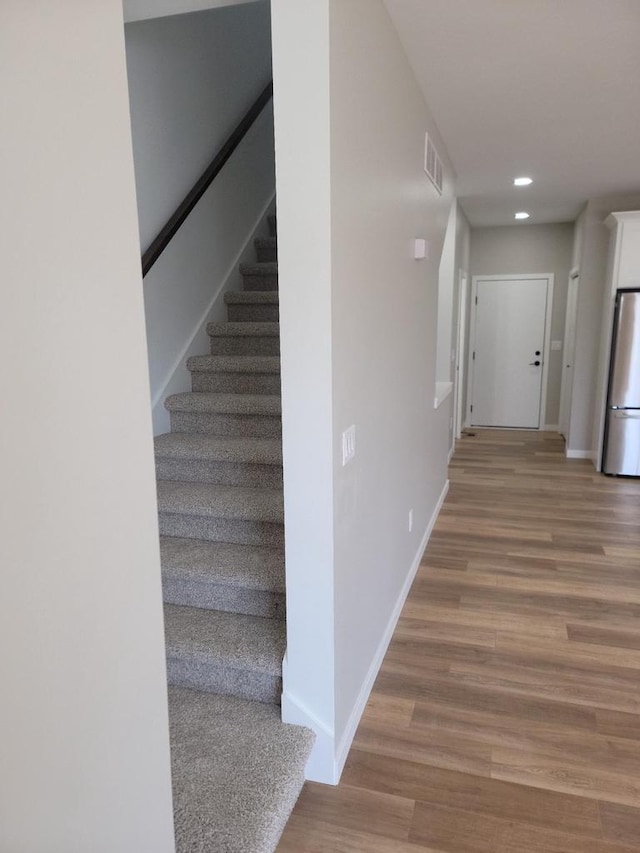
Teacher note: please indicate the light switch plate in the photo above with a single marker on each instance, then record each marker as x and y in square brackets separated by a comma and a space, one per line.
[420, 249]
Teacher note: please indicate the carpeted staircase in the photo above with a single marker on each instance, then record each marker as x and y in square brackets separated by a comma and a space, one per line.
[237, 769]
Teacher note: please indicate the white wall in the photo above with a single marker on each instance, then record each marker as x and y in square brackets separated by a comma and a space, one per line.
[85, 756]
[384, 310]
[191, 79]
[140, 10]
[520, 249]
[623, 272]
[592, 243]
[358, 318]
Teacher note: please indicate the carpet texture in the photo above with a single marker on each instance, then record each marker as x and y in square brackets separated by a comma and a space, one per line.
[237, 769]
[237, 772]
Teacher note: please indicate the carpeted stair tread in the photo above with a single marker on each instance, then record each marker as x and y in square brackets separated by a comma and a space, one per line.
[227, 413]
[266, 242]
[234, 363]
[243, 330]
[246, 566]
[233, 641]
[212, 448]
[251, 297]
[226, 404]
[237, 771]
[261, 268]
[266, 249]
[213, 501]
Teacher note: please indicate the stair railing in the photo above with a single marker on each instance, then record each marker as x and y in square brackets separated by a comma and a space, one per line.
[172, 225]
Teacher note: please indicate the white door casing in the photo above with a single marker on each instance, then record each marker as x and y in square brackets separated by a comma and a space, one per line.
[460, 363]
[509, 352]
[568, 353]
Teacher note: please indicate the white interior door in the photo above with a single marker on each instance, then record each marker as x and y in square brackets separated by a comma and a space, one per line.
[568, 354]
[509, 342]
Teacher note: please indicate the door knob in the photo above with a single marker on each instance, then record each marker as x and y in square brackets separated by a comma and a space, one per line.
[534, 363]
[537, 352]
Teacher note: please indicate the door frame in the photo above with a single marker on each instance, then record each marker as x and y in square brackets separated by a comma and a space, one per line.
[460, 364]
[566, 386]
[546, 347]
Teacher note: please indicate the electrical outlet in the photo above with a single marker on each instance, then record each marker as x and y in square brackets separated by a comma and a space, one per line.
[410, 520]
[348, 444]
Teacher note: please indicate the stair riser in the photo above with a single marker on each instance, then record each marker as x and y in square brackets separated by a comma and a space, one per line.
[266, 254]
[252, 602]
[236, 383]
[229, 682]
[266, 533]
[243, 426]
[248, 313]
[235, 345]
[260, 282]
[220, 473]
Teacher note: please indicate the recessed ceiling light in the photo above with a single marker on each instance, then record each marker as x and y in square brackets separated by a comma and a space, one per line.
[522, 182]
[522, 215]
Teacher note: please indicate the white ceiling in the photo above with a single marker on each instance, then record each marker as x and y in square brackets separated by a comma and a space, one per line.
[545, 88]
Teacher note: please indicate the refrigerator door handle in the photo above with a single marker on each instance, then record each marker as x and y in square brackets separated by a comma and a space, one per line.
[626, 415]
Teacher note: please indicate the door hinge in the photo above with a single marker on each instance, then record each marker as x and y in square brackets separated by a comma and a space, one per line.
[471, 408]
[474, 356]
[476, 300]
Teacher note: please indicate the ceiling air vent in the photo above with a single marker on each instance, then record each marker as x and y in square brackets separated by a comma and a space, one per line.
[432, 163]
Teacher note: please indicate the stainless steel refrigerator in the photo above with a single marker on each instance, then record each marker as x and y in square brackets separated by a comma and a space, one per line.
[622, 430]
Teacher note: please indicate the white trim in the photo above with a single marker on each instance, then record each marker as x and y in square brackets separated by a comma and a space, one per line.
[451, 452]
[551, 428]
[579, 454]
[459, 375]
[569, 351]
[157, 403]
[363, 697]
[443, 390]
[472, 346]
[547, 348]
[320, 765]
[547, 336]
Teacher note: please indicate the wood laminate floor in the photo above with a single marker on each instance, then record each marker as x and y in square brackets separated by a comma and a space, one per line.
[506, 715]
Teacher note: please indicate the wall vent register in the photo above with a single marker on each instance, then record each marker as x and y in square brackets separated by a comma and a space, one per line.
[433, 163]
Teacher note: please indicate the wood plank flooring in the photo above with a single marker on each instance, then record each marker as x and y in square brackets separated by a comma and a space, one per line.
[506, 715]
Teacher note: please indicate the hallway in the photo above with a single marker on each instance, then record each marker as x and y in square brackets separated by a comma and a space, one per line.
[506, 716]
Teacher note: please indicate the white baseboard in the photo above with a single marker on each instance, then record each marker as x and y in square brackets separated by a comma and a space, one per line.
[320, 766]
[177, 369]
[551, 427]
[443, 390]
[363, 697]
[579, 454]
[451, 452]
